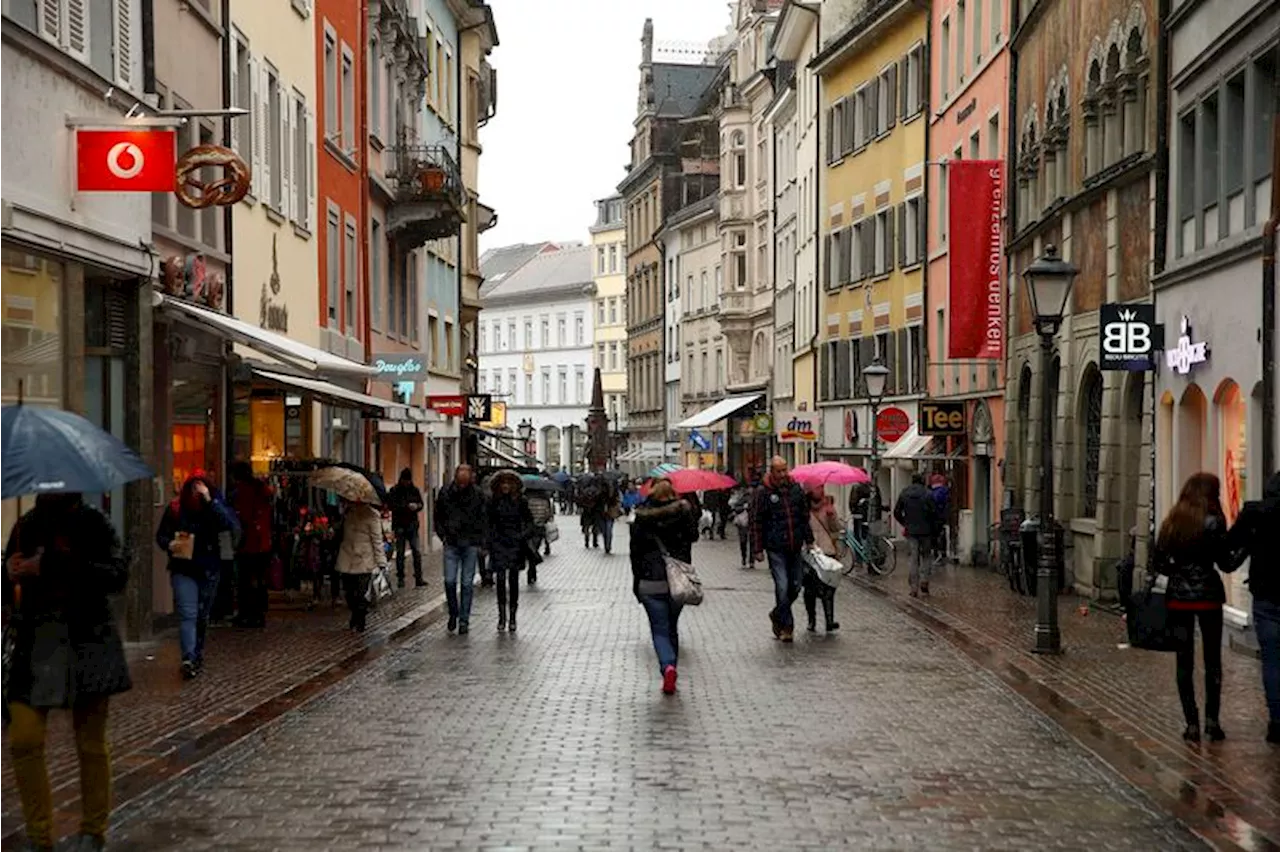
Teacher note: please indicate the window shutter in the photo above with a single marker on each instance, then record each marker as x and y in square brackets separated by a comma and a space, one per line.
[890, 111]
[891, 363]
[850, 123]
[868, 247]
[824, 371]
[922, 230]
[922, 81]
[905, 384]
[846, 256]
[264, 118]
[288, 169]
[77, 35]
[826, 261]
[866, 356]
[310, 148]
[904, 86]
[235, 93]
[124, 43]
[874, 101]
[50, 23]
[889, 241]
[831, 137]
[255, 118]
[903, 236]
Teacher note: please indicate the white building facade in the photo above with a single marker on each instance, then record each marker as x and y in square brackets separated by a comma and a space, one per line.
[536, 351]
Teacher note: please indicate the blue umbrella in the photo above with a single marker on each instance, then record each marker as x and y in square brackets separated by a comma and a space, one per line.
[49, 451]
[561, 476]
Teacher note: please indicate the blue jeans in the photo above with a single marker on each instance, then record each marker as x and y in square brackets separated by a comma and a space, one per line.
[664, 617]
[788, 576]
[192, 601]
[1266, 621]
[604, 526]
[460, 567]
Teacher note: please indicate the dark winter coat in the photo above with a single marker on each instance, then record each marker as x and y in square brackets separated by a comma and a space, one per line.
[917, 511]
[67, 645]
[780, 518]
[671, 526]
[207, 523]
[251, 502]
[400, 497]
[1257, 533]
[460, 515]
[1193, 569]
[509, 526]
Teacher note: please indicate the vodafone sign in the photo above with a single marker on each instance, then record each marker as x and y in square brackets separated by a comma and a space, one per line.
[125, 160]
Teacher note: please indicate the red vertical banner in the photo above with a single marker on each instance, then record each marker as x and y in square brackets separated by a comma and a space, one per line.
[975, 326]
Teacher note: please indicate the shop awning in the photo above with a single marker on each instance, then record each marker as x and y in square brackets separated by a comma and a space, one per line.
[267, 342]
[718, 412]
[912, 445]
[335, 395]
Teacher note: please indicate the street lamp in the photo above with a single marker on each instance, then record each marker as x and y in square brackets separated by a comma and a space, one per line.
[1049, 281]
[875, 375]
[525, 431]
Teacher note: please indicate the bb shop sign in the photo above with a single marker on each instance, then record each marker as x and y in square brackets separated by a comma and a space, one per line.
[1129, 337]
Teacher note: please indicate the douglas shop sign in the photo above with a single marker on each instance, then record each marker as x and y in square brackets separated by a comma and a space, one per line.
[399, 367]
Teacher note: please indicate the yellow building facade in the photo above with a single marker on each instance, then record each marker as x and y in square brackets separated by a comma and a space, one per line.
[609, 268]
[873, 215]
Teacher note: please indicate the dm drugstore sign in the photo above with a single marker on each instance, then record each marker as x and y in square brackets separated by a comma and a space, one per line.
[794, 427]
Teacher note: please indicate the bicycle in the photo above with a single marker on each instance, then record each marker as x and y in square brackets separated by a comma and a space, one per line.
[876, 552]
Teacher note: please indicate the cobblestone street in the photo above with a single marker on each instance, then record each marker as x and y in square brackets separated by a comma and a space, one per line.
[883, 737]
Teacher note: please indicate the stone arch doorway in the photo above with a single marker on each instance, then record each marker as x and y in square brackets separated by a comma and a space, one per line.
[551, 446]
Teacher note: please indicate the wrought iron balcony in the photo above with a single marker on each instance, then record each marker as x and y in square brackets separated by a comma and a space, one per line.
[429, 194]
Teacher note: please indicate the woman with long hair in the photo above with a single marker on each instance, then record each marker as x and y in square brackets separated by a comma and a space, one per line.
[1191, 547]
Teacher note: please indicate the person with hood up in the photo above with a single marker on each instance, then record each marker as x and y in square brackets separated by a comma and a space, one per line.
[508, 530]
[460, 517]
[62, 562]
[251, 501]
[1191, 548]
[1257, 532]
[190, 532]
[780, 518]
[917, 511]
[665, 525]
[406, 502]
[361, 552]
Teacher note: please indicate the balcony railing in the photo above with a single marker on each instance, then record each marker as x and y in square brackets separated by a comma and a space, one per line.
[428, 191]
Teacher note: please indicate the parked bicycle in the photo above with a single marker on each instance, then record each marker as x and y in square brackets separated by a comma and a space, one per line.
[873, 551]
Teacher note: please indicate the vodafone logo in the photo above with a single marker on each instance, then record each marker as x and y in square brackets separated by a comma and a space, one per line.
[122, 153]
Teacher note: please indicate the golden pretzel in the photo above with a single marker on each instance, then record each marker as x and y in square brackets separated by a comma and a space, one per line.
[225, 190]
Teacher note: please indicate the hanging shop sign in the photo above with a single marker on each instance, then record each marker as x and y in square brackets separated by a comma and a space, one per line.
[762, 423]
[447, 405]
[1129, 337]
[231, 184]
[125, 160]
[479, 408]
[850, 428]
[975, 328]
[273, 313]
[892, 424]
[399, 367]
[795, 427]
[1185, 355]
[698, 441]
[498, 418]
[942, 418]
[188, 278]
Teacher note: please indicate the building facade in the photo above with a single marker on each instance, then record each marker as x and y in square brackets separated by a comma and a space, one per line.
[537, 344]
[968, 95]
[609, 241]
[782, 124]
[1081, 167]
[1223, 61]
[872, 300]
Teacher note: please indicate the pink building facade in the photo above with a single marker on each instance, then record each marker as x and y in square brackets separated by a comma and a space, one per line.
[969, 91]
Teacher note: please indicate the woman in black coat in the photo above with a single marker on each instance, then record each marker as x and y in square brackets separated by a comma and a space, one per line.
[62, 561]
[664, 525]
[507, 534]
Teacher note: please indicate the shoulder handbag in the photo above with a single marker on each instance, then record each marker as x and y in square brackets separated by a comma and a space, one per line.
[379, 585]
[825, 568]
[1148, 618]
[551, 532]
[683, 583]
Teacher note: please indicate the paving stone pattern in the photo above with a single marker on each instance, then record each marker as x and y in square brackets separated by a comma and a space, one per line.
[883, 737]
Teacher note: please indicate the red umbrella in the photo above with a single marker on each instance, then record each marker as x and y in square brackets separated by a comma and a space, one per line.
[689, 479]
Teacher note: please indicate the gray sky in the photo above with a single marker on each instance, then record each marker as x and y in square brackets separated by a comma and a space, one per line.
[568, 78]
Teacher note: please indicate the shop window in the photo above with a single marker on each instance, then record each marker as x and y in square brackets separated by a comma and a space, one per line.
[267, 442]
[1232, 454]
[1091, 446]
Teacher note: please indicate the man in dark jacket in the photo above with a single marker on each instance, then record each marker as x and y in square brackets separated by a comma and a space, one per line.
[406, 503]
[251, 501]
[780, 529]
[460, 520]
[1257, 531]
[917, 511]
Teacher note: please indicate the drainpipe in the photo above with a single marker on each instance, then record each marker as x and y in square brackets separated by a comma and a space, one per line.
[1160, 246]
[817, 206]
[926, 62]
[1269, 235]
[362, 170]
[228, 225]
[1011, 230]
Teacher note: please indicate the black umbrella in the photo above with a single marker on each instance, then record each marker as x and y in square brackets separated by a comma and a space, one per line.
[533, 482]
[49, 451]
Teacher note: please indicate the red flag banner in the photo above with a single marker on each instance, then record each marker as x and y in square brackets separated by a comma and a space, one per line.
[975, 328]
[125, 160]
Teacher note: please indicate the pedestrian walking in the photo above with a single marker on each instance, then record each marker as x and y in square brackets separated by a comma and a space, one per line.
[780, 518]
[62, 560]
[717, 503]
[508, 530]
[610, 511]
[460, 518]
[361, 552]
[740, 507]
[826, 528]
[251, 501]
[664, 525]
[543, 514]
[940, 491]
[406, 502]
[1190, 549]
[591, 500]
[191, 532]
[1257, 532]
[917, 512]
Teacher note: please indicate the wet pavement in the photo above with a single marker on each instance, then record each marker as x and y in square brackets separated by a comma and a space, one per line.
[885, 736]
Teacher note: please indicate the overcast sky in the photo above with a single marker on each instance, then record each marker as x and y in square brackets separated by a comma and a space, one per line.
[568, 79]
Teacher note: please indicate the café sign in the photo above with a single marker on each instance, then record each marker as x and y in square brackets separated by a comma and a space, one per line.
[399, 367]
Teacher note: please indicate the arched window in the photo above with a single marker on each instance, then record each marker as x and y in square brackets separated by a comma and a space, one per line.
[1133, 93]
[1112, 136]
[1093, 119]
[1091, 445]
[1023, 450]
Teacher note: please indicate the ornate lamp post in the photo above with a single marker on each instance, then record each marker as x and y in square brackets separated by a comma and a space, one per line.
[875, 375]
[525, 431]
[1049, 281]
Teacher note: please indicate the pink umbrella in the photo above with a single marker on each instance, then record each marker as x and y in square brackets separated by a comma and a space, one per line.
[687, 480]
[829, 472]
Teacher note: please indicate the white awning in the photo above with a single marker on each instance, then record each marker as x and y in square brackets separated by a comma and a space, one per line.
[267, 342]
[338, 395]
[718, 412]
[910, 446]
